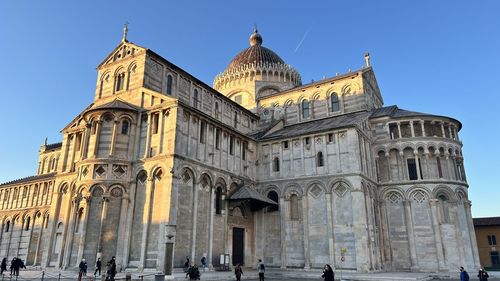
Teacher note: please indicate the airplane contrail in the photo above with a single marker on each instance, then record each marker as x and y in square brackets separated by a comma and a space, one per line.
[304, 37]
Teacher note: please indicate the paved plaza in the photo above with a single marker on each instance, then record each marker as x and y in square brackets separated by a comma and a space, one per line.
[250, 275]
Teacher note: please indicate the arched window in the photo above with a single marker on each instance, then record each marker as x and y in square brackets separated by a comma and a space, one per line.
[319, 159]
[120, 81]
[334, 102]
[125, 126]
[195, 98]
[218, 200]
[169, 84]
[216, 110]
[305, 109]
[443, 206]
[273, 196]
[276, 164]
[28, 221]
[294, 207]
[7, 226]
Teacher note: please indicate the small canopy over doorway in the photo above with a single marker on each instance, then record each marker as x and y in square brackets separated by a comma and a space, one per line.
[248, 195]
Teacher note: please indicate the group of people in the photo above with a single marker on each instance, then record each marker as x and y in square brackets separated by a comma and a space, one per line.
[482, 274]
[15, 265]
[110, 272]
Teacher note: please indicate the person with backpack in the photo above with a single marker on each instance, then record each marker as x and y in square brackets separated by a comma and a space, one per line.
[261, 268]
[464, 276]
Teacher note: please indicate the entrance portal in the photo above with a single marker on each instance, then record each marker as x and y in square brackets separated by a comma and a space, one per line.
[238, 245]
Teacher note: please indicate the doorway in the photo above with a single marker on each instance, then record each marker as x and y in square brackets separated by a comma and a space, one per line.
[238, 245]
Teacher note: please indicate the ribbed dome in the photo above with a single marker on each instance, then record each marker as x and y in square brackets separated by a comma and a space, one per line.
[255, 54]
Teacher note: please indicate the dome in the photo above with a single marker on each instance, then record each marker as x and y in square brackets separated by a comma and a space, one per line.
[255, 54]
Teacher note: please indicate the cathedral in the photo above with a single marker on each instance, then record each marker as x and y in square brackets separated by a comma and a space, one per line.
[161, 167]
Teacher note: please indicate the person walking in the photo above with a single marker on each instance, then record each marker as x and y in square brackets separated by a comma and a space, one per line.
[483, 275]
[464, 276]
[3, 266]
[111, 269]
[238, 272]
[12, 265]
[328, 273]
[83, 267]
[186, 265]
[261, 268]
[98, 265]
[203, 263]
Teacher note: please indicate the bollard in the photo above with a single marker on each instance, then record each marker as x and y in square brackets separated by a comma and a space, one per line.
[128, 276]
[43, 275]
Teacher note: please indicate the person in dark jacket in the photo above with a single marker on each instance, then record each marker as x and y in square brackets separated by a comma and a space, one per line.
[111, 269]
[238, 272]
[483, 275]
[98, 265]
[464, 276]
[13, 265]
[3, 266]
[83, 267]
[328, 273]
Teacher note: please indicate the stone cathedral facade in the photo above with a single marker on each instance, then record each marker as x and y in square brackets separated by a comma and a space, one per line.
[260, 166]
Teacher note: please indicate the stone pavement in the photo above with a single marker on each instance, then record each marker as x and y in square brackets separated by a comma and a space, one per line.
[251, 274]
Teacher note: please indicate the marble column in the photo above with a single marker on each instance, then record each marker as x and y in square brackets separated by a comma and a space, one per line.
[472, 233]
[120, 248]
[148, 137]
[194, 220]
[85, 203]
[128, 230]
[305, 226]
[113, 137]
[104, 214]
[422, 124]
[411, 234]
[146, 218]
[437, 235]
[211, 227]
[399, 129]
[39, 241]
[412, 129]
[330, 230]
[70, 233]
[283, 214]
[96, 139]
[417, 163]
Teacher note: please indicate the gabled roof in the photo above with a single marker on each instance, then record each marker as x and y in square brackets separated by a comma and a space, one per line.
[489, 221]
[116, 104]
[113, 53]
[28, 179]
[319, 125]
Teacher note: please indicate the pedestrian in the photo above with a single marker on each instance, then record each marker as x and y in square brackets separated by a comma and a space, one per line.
[98, 265]
[261, 268]
[12, 265]
[238, 272]
[203, 263]
[483, 275]
[328, 273]
[3, 266]
[17, 265]
[111, 269]
[186, 265]
[194, 273]
[83, 267]
[464, 276]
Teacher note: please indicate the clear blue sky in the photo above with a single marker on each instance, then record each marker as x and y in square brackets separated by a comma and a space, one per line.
[440, 57]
